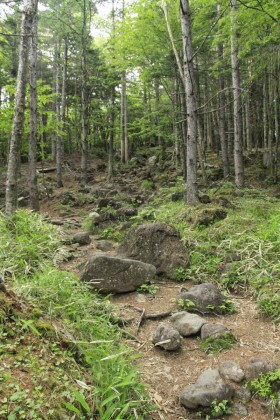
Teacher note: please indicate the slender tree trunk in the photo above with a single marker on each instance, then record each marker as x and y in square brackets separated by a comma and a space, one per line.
[221, 113]
[18, 119]
[189, 82]
[112, 109]
[59, 183]
[238, 145]
[33, 187]
[85, 99]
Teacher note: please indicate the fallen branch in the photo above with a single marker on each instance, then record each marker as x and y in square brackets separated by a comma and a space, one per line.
[45, 170]
[128, 334]
[67, 222]
[141, 319]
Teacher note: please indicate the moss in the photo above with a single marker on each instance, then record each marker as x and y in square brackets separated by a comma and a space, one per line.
[36, 313]
[45, 328]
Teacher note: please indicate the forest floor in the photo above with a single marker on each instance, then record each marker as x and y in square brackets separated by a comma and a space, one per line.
[165, 373]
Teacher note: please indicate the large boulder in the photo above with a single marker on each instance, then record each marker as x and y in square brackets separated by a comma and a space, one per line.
[158, 244]
[116, 275]
[209, 387]
[206, 297]
[186, 323]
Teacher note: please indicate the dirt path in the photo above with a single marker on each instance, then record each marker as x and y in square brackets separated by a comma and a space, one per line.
[167, 373]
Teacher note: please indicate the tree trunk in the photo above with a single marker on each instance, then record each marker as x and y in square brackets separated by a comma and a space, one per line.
[18, 119]
[189, 82]
[85, 99]
[32, 156]
[221, 112]
[238, 145]
[59, 183]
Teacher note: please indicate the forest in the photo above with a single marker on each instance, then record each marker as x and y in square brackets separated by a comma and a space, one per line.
[139, 209]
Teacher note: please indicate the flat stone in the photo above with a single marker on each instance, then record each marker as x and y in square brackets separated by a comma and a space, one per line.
[232, 371]
[116, 275]
[213, 330]
[167, 337]
[187, 323]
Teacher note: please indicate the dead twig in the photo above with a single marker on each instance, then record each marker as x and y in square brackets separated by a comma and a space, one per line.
[141, 319]
[131, 336]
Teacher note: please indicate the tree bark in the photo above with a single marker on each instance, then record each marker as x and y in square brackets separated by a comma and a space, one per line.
[238, 144]
[18, 119]
[189, 82]
[32, 155]
[85, 99]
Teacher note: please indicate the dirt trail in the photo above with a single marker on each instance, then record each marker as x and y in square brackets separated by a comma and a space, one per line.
[167, 373]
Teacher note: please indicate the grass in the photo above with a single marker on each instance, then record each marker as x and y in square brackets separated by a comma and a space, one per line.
[64, 332]
[267, 385]
[240, 252]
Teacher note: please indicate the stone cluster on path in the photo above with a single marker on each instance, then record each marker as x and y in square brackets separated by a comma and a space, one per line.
[154, 249]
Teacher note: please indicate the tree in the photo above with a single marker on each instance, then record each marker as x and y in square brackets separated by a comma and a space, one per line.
[33, 187]
[28, 13]
[238, 144]
[189, 79]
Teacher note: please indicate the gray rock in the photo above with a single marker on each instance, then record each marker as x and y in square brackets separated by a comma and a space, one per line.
[158, 244]
[213, 330]
[126, 212]
[203, 198]
[209, 387]
[104, 246]
[167, 337]
[239, 410]
[232, 371]
[152, 161]
[243, 394]
[116, 275]
[257, 366]
[82, 238]
[186, 323]
[205, 296]
[108, 202]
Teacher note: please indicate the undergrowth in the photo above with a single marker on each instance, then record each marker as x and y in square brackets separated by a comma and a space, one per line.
[240, 252]
[65, 339]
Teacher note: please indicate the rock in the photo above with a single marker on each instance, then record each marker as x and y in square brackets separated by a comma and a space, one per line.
[178, 196]
[104, 246]
[213, 330]
[116, 275]
[158, 244]
[167, 337]
[104, 217]
[205, 296]
[232, 371]
[108, 202]
[82, 238]
[257, 366]
[152, 161]
[239, 410]
[186, 323]
[209, 387]
[209, 216]
[124, 212]
[124, 226]
[203, 198]
[243, 394]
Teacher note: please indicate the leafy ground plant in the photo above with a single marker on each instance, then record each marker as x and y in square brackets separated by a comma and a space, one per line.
[63, 331]
[267, 386]
[148, 288]
[214, 345]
